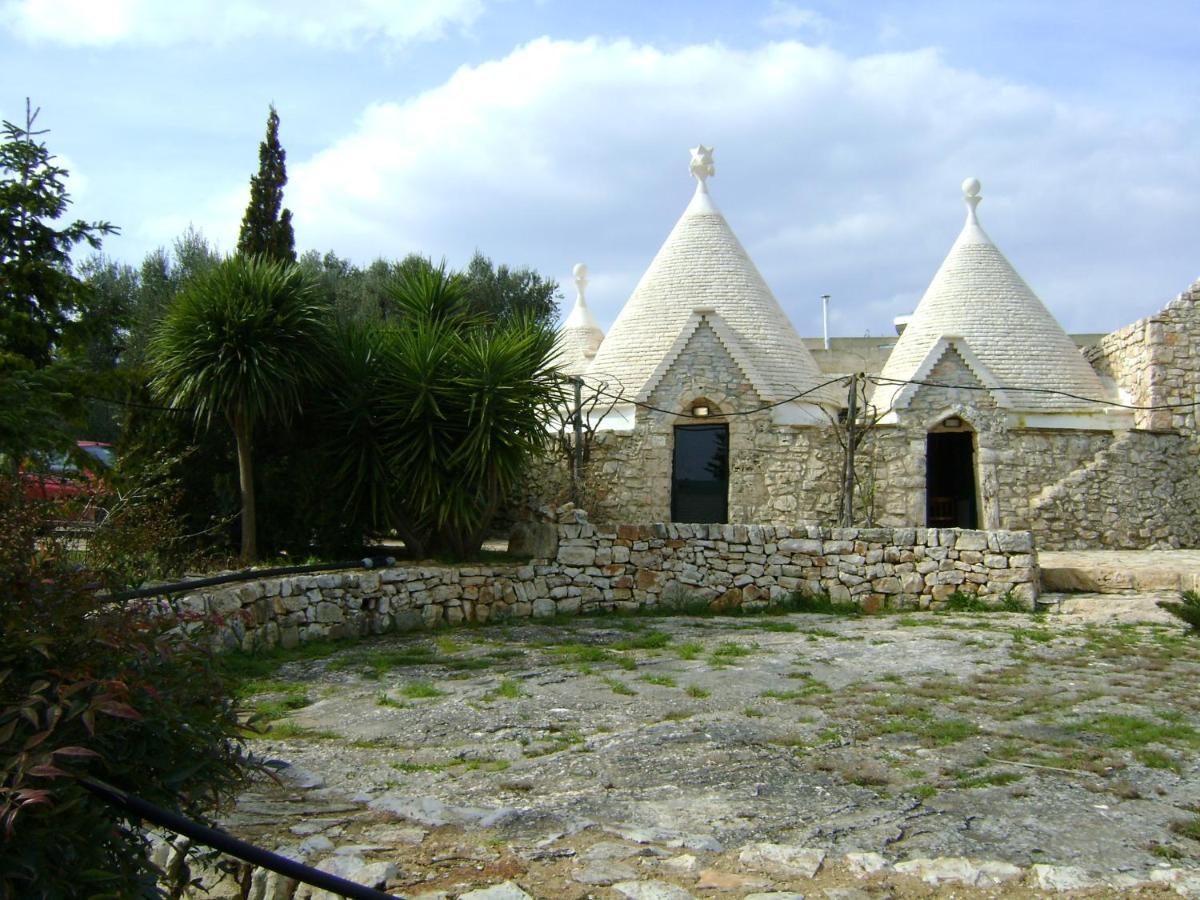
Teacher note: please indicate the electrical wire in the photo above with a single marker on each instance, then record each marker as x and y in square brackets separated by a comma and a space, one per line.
[880, 381]
[744, 412]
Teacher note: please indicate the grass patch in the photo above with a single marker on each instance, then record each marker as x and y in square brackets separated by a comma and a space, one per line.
[943, 732]
[694, 690]
[619, 687]
[821, 605]
[1188, 829]
[689, 650]
[412, 767]
[448, 645]
[270, 710]
[506, 653]
[421, 690]
[1155, 759]
[508, 689]
[651, 640]
[1131, 731]
[660, 680]
[240, 666]
[814, 633]
[960, 601]
[782, 695]
[751, 713]
[730, 649]
[1165, 851]
[995, 779]
[292, 731]
[385, 699]
[1037, 635]
[678, 715]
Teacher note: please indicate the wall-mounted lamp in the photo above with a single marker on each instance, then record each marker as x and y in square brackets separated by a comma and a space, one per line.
[700, 410]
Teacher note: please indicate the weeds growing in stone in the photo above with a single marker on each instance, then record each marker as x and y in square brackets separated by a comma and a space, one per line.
[617, 686]
[660, 680]
[421, 690]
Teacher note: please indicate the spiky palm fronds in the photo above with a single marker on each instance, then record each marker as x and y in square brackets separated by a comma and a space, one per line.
[1186, 608]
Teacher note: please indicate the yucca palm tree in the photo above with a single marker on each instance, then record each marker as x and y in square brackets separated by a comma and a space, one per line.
[240, 344]
[437, 413]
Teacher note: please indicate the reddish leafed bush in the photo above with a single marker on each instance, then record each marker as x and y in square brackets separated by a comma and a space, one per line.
[118, 692]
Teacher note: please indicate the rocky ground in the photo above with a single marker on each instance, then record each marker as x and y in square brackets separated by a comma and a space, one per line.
[963, 754]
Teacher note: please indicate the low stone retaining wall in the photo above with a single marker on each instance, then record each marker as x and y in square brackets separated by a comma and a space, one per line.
[587, 571]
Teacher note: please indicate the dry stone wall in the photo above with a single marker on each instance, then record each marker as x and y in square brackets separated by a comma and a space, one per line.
[629, 568]
[1156, 361]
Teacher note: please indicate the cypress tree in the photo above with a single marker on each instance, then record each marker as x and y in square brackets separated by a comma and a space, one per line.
[266, 227]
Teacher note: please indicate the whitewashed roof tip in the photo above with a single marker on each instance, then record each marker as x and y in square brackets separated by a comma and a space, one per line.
[978, 297]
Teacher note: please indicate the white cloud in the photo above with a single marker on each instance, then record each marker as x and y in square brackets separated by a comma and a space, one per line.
[790, 17]
[839, 174]
[160, 22]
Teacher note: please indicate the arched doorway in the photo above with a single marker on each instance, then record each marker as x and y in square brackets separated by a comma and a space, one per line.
[700, 469]
[951, 498]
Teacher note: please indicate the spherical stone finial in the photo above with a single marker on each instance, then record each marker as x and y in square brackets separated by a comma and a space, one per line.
[580, 271]
[970, 189]
[701, 165]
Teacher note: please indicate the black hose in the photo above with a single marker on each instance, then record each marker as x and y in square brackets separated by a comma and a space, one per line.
[227, 843]
[178, 587]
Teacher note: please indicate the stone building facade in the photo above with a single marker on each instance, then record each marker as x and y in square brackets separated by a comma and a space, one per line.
[984, 415]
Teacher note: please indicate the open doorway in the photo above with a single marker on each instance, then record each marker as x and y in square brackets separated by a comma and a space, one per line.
[700, 474]
[950, 497]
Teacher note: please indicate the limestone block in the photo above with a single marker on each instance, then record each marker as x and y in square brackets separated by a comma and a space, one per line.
[328, 613]
[1013, 541]
[971, 540]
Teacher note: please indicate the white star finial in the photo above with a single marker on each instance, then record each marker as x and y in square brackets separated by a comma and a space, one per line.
[581, 281]
[702, 166]
[970, 189]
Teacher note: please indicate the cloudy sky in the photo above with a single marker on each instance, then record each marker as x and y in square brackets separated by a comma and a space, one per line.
[547, 132]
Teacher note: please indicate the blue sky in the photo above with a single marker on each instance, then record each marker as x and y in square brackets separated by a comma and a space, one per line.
[548, 133]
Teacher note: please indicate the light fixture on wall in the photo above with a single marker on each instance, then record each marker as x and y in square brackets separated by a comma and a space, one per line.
[700, 409]
[952, 422]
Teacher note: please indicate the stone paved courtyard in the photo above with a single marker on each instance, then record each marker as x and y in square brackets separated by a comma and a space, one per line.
[576, 759]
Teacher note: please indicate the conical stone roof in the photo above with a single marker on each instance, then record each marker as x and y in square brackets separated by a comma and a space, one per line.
[978, 299]
[702, 266]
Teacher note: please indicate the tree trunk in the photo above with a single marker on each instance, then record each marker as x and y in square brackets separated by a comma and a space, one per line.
[242, 433]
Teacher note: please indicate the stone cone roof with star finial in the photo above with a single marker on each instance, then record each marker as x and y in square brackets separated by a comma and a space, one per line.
[702, 268]
[977, 299]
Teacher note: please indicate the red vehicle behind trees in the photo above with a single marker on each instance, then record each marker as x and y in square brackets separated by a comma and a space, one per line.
[74, 482]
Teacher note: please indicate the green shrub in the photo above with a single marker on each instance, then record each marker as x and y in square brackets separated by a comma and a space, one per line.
[118, 693]
[1187, 608]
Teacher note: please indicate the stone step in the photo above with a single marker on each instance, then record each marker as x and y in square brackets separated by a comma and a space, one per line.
[1119, 571]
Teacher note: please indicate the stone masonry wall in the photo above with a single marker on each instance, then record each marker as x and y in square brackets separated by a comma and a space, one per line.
[727, 566]
[1139, 492]
[1156, 361]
